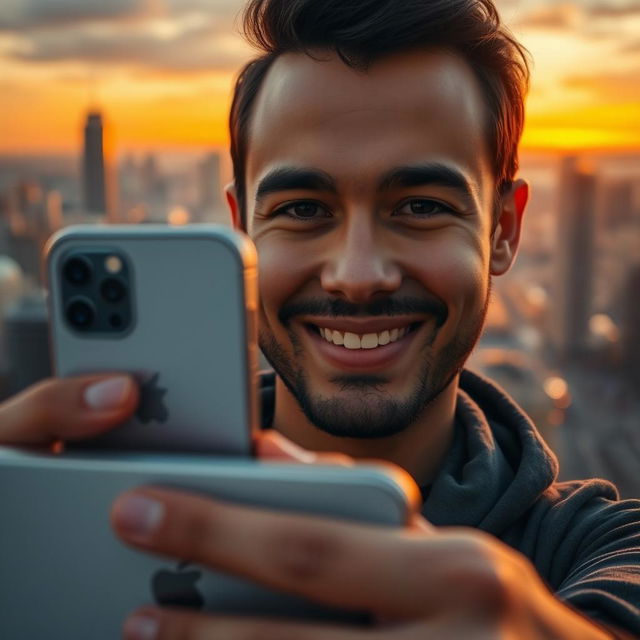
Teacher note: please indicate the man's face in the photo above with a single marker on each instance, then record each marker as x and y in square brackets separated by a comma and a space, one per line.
[370, 203]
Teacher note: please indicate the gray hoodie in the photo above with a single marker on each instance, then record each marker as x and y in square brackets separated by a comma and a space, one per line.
[500, 477]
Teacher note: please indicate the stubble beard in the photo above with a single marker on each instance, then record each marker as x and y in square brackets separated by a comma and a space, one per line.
[362, 408]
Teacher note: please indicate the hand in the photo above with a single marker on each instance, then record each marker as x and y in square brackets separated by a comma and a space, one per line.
[67, 409]
[419, 582]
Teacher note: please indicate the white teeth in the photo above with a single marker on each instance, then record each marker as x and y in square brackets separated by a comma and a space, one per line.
[351, 341]
[367, 341]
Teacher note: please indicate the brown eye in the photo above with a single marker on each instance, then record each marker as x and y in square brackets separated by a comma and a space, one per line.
[422, 207]
[305, 209]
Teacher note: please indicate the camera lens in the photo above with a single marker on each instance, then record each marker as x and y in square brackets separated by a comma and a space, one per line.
[112, 290]
[80, 314]
[77, 270]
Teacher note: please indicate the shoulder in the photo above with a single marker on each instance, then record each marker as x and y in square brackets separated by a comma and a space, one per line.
[579, 523]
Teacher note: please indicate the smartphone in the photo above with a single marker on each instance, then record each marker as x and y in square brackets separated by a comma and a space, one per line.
[66, 575]
[174, 306]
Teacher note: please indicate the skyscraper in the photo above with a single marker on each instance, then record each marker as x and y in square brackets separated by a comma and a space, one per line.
[571, 299]
[95, 167]
[631, 326]
[210, 205]
[616, 203]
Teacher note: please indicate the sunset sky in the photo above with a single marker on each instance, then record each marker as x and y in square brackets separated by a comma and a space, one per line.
[162, 70]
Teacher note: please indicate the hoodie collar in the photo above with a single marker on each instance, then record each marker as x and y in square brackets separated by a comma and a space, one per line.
[498, 464]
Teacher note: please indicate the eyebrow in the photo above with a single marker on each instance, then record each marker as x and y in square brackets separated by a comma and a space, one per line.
[290, 178]
[436, 173]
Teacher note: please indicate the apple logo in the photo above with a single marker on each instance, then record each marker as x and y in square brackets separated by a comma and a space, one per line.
[177, 588]
[151, 405]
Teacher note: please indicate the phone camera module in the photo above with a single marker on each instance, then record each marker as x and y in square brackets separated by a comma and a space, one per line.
[116, 321]
[77, 271]
[112, 290]
[80, 314]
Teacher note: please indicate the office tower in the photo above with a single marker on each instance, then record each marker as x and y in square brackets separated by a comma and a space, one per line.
[95, 193]
[153, 189]
[26, 342]
[616, 203]
[631, 327]
[210, 205]
[150, 177]
[28, 226]
[132, 208]
[96, 182]
[11, 289]
[54, 211]
[571, 299]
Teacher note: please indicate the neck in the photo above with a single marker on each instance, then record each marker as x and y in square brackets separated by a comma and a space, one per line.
[418, 449]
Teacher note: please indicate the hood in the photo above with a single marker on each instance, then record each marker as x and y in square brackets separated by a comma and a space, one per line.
[497, 467]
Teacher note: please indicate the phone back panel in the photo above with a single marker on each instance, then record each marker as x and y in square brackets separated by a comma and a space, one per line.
[66, 575]
[191, 344]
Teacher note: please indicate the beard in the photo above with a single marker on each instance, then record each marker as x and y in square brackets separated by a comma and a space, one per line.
[363, 408]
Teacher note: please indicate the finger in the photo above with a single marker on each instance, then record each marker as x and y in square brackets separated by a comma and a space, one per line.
[67, 409]
[418, 523]
[173, 624]
[271, 445]
[353, 566]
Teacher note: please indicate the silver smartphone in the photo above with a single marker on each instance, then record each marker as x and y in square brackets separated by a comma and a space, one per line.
[174, 306]
[64, 574]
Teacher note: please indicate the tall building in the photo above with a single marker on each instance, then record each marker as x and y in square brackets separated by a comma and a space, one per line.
[571, 298]
[616, 203]
[28, 225]
[631, 327]
[95, 168]
[210, 205]
[153, 189]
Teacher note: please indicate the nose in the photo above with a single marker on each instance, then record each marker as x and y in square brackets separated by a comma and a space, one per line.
[360, 266]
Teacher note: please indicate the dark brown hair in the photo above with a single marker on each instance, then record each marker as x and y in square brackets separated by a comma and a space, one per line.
[362, 31]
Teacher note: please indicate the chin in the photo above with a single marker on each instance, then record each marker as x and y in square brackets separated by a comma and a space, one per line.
[362, 405]
[362, 408]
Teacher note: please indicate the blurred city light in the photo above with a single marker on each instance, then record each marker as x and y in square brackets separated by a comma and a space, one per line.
[601, 325]
[178, 216]
[555, 388]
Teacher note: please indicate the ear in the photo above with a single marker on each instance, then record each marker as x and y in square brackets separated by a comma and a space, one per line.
[234, 208]
[506, 235]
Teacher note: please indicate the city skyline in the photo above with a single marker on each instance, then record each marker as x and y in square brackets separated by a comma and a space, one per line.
[163, 70]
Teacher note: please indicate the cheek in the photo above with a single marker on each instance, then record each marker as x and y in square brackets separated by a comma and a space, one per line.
[455, 272]
[283, 270]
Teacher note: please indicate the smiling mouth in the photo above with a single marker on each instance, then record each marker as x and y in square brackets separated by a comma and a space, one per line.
[355, 341]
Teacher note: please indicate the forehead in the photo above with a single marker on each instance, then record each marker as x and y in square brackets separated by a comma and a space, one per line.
[420, 106]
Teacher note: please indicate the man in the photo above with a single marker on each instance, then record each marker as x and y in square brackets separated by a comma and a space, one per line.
[375, 151]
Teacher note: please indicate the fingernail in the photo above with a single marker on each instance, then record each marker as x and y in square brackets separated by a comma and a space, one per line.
[138, 516]
[107, 394]
[141, 627]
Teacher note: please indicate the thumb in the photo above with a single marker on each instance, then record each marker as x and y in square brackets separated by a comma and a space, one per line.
[271, 445]
[67, 409]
